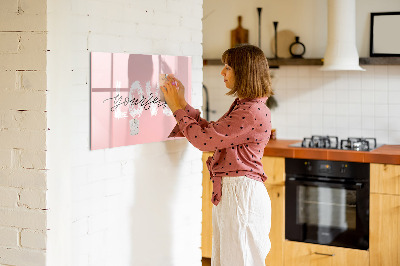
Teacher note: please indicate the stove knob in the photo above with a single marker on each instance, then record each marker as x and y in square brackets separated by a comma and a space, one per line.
[343, 168]
[308, 166]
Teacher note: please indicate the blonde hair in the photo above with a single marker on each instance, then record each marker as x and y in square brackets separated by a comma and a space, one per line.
[250, 66]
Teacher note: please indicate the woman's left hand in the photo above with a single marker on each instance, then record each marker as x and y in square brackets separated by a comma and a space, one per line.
[171, 95]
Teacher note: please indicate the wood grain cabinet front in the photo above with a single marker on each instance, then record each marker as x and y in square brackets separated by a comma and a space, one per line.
[385, 178]
[274, 168]
[206, 226]
[304, 254]
[277, 233]
[384, 236]
[384, 226]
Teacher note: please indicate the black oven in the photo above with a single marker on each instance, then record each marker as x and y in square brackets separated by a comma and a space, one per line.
[327, 202]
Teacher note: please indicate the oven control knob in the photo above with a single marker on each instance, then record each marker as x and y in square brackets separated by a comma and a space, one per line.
[308, 166]
[343, 168]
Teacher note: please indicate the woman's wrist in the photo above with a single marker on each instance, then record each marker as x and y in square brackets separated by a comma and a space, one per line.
[183, 104]
[176, 107]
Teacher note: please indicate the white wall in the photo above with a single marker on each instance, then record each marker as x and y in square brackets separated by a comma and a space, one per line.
[311, 102]
[23, 133]
[306, 19]
[135, 205]
[343, 104]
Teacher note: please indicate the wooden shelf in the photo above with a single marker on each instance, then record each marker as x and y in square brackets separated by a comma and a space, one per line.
[274, 63]
[294, 62]
[212, 62]
[380, 61]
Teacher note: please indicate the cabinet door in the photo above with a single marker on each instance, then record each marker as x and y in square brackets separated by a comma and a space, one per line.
[385, 178]
[304, 254]
[277, 233]
[274, 168]
[206, 232]
[384, 230]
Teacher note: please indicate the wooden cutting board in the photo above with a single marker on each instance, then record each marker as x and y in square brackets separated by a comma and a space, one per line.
[239, 35]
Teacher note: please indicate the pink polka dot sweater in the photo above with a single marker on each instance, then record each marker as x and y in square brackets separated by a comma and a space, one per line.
[238, 139]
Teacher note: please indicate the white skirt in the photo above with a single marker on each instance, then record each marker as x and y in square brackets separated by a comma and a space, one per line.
[241, 223]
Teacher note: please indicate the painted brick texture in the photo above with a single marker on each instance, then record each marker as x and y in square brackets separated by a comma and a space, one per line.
[135, 205]
[23, 132]
[108, 207]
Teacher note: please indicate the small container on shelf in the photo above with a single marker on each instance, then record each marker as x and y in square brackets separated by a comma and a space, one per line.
[297, 49]
[273, 134]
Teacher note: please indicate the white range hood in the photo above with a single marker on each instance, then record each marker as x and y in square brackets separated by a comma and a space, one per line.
[341, 51]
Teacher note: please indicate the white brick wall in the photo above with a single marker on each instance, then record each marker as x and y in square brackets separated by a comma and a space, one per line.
[9, 237]
[8, 197]
[23, 132]
[34, 239]
[108, 207]
[135, 205]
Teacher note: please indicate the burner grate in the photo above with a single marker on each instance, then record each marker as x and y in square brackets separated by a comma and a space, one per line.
[332, 142]
[358, 144]
[327, 142]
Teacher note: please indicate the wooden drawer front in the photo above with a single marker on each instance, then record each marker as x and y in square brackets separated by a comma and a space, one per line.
[304, 254]
[384, 237]
[274, 168]
[385, 178]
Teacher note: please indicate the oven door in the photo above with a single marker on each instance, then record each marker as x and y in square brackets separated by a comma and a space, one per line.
[327, 213]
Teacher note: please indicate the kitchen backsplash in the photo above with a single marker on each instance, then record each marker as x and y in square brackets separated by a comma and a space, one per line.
[314, 102]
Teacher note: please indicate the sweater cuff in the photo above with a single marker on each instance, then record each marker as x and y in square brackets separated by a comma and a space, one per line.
[190, 111]
[180, 114]
[176, 132]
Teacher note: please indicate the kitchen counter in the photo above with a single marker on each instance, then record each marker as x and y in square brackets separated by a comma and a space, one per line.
[389, 154]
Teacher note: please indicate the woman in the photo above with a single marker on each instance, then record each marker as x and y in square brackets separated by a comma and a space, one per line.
[242, 209]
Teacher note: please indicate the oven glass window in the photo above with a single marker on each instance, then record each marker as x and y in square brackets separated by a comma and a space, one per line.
[326, 207]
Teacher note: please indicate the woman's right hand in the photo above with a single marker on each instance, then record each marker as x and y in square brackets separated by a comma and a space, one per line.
[181, 91]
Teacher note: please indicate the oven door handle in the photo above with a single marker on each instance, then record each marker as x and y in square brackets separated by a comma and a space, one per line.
[357, 185]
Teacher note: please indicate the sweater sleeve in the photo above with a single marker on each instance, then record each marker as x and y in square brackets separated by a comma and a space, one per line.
[231, 130]
[193, 113]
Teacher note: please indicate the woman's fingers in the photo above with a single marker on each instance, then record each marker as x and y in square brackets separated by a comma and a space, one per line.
[172, 94]
[171, 88]
[180, 84]
[179, 89]
[164, 90]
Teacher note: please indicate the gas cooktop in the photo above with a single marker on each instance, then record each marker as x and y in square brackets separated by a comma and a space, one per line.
[332, 142]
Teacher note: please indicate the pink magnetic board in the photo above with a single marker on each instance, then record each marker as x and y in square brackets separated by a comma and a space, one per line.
[127, 104]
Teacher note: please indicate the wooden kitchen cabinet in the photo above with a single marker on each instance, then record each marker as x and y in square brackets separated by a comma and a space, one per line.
[385, 178]
[274, 168]
[305, 254]
[384, 236]
[277, 233]
[384, 215]
[206, 225]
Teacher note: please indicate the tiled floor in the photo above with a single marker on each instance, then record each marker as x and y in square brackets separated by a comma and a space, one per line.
[206, 261]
